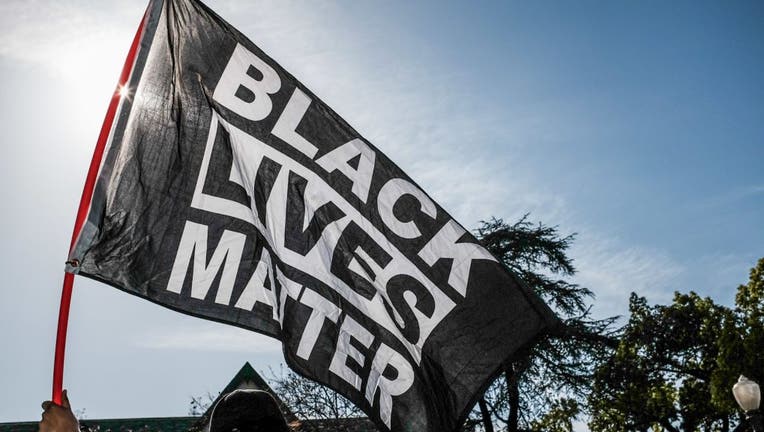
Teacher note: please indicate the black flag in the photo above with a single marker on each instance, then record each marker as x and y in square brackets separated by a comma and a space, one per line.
[230, 192]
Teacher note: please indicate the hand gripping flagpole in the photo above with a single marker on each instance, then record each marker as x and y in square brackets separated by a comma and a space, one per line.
[87, 194]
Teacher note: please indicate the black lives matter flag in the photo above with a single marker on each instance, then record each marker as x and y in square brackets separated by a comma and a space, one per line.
[230, 192]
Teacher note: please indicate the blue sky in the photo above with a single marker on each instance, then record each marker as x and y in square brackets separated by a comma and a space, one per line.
[640, 126]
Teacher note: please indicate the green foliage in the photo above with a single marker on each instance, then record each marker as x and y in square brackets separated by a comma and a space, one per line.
[559, 418]
[661, 372]
[742, 340]
[749, 303]
[675, 364]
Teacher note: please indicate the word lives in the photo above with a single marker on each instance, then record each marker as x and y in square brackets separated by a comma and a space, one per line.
[325, 220]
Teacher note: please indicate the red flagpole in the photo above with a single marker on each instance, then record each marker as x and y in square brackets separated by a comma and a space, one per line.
[87, 194]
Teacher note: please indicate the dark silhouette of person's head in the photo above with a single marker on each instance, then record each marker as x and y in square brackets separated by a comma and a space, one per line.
[247, 411]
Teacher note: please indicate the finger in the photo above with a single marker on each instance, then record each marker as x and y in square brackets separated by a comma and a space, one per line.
[65, 400]
[46, 404]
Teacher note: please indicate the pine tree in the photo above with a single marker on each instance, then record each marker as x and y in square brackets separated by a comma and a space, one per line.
[558, 370]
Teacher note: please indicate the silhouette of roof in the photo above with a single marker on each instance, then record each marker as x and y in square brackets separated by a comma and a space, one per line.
[246, 378]
[154, 424]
